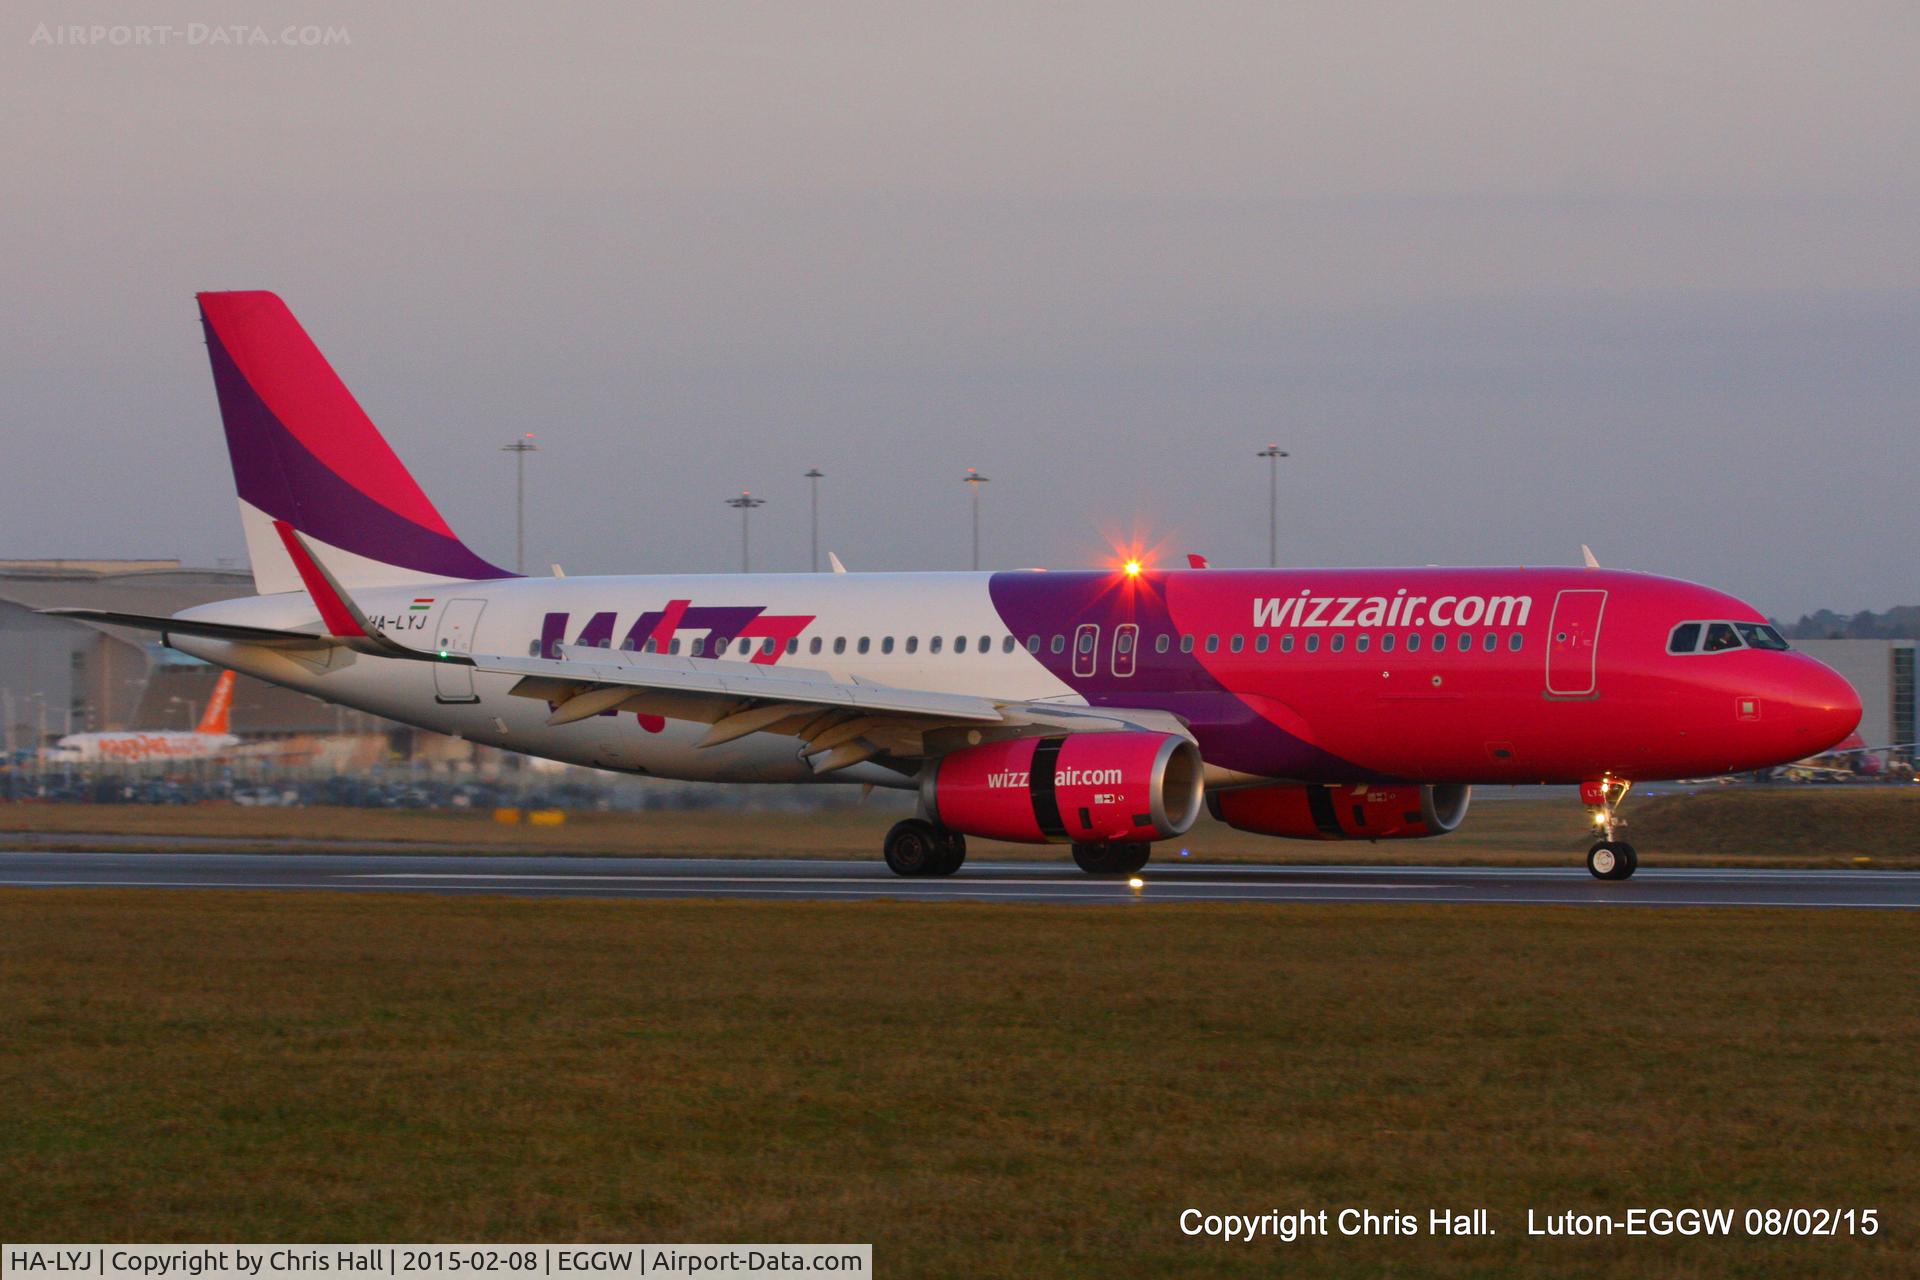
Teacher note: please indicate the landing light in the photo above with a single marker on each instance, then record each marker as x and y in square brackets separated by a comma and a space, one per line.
[1136, 883]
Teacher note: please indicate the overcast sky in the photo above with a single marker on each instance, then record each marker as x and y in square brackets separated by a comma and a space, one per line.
[1503, 278]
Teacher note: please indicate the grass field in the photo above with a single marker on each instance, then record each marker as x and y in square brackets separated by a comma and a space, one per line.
[1787, 826]
[980, 1090]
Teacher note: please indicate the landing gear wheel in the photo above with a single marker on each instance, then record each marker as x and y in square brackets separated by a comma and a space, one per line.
[1612, 860]
[1111, 859]
[914, 848]
[953, 852]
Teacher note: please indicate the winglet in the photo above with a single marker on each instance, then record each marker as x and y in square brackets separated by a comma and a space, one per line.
[336, 611]
[834, 560]
[341, 616]
[1586, 554]
[1195, 560]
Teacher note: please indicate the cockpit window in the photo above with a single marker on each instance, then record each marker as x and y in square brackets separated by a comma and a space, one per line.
[1721, 635]
[1724, 637]
[1758, 635]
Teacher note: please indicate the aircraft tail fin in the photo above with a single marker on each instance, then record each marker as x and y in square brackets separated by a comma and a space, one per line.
[218, 717]
[305, 454]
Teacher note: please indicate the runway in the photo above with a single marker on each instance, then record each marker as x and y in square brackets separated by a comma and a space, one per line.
[982, 881]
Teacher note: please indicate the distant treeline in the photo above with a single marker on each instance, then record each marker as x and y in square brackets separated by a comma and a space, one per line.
[1902, 623]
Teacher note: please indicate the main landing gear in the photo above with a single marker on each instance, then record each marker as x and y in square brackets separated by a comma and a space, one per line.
[1608, 859]
[916, 847]
[1112, 859]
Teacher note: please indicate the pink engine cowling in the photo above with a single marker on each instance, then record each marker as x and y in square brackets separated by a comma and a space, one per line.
[1084, 787]
[1344, 812]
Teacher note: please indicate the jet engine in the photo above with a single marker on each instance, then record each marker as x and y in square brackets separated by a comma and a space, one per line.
[1091, 788]
[1362, 811]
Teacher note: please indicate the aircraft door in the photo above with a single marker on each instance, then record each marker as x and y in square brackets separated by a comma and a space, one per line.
[1086, 649]
[1573, 643]
[1126, 640]
[453, 634]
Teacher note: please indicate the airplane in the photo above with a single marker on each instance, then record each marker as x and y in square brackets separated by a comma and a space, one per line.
[209, 739]
[1101, 709]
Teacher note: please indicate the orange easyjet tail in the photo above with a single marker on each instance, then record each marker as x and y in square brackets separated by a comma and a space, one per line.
[219, 713]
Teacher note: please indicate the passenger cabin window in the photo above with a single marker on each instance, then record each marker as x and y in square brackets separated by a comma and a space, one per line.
[839, 644]
[793, 645]
[698, 646]
[1186, 644]
[865, 644]
[986, 644]
[1286, 643]
[1514, 642]
[1338, 643]
[1260, 643]
[1413, 642]
[1237, 644]
[1490, 642]
[1213, 644]
[1313, 643]
[933, 644]
[1386, 643]
[1160, 643]
[1059, 644]
[886, 644]
[913, 644]
[1360, 643]
[673, 645]
[1006, 644]
[959, 644]
[1033, 644]
[813, 645]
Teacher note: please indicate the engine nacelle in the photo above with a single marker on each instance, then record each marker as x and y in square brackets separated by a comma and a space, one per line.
[1085, 787]
[1344, 812]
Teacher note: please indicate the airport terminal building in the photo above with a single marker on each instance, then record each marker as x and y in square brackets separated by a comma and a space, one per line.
[1882, 672]
[59, 675]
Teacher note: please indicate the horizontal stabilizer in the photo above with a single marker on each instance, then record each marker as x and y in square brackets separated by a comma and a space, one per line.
[184, 627]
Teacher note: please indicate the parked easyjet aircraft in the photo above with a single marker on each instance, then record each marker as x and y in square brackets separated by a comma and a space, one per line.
[1096, 708]
[208, 739]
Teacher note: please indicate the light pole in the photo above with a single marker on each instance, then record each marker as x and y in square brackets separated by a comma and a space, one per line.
[813, 477]
[520, 449]
[746, 502]
[973, 480]
[1273, 453]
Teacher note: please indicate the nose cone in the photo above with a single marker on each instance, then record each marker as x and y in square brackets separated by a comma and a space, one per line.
[1825, 707]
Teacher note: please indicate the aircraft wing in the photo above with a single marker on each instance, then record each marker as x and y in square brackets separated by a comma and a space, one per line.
[842, 721]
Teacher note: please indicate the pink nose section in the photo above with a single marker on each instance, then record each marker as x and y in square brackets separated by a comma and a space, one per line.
[1826, 706]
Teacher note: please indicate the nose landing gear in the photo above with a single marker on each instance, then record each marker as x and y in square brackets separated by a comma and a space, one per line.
[1609, 858]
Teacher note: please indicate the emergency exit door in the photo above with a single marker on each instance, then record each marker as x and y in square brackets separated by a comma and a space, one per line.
[1086, 649]
[1573, 643]
[453, 636]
